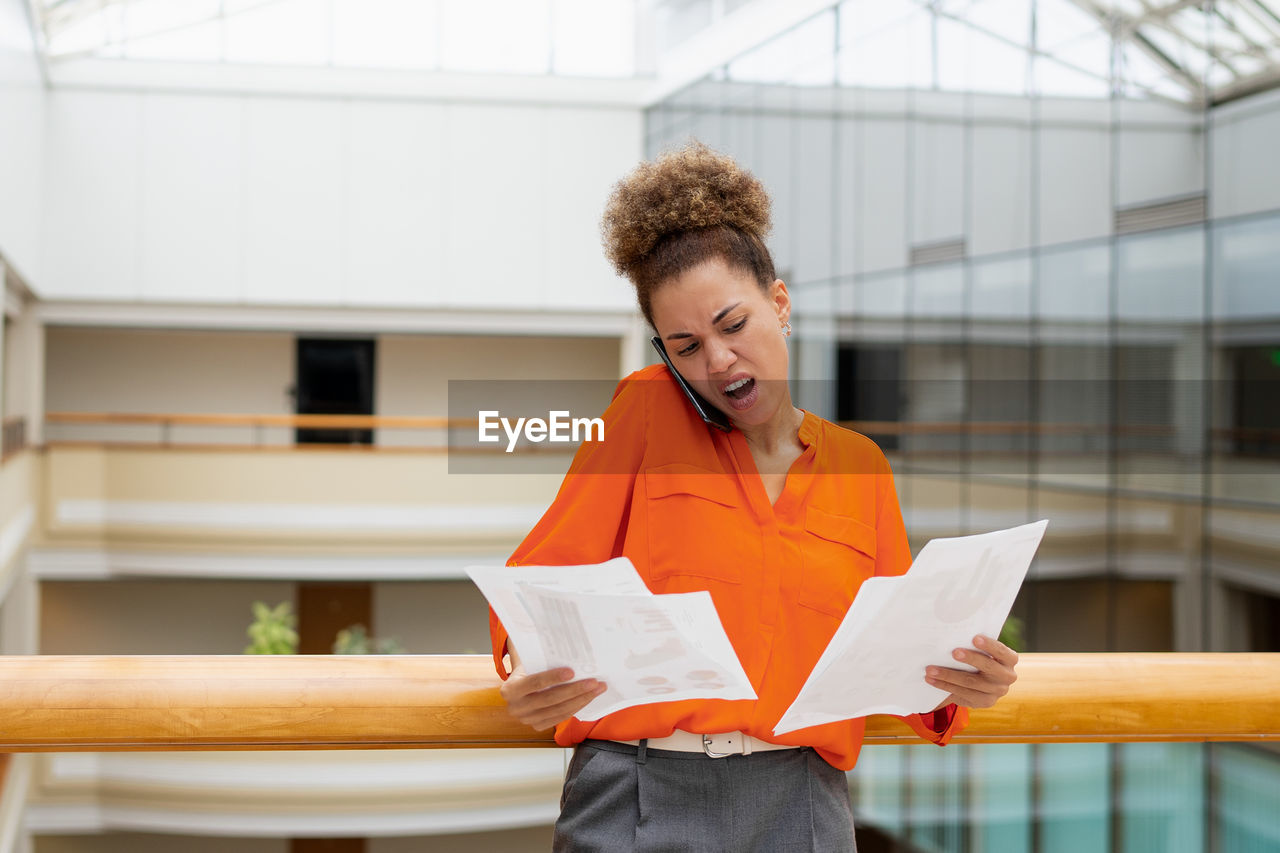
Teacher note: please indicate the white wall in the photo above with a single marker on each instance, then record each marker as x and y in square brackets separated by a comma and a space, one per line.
[152, 371]
[151, 617]
[154, 616]
[268, 200]
[433, 617]
[1245, 176]
[198, 372]
[21, 143]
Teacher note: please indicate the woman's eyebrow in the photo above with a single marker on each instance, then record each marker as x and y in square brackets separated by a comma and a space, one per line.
[723, 312]
[716, 319]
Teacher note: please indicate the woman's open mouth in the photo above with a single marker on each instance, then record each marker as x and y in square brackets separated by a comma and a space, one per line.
[741, 392]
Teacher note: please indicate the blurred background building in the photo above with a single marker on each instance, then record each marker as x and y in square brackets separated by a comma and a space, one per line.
[1034, 246]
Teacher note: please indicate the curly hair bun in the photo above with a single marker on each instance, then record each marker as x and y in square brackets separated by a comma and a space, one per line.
[691, 188]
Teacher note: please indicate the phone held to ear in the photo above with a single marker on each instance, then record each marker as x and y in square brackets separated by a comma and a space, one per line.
[709, 413]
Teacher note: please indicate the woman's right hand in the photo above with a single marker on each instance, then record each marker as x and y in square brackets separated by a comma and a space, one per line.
[545, 698]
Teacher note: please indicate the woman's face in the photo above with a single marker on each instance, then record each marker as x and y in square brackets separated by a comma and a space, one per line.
[724, 335]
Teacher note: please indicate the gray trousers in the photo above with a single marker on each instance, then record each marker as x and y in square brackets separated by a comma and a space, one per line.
[620, 798]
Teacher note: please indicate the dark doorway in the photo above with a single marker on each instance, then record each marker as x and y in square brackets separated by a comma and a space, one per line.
[324, 609]
[1262, 616]
[1257, 400]
[334, 377]
[326, 845]
[869, 388]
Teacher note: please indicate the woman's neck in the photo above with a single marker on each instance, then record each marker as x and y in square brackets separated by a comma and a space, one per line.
[778, 434]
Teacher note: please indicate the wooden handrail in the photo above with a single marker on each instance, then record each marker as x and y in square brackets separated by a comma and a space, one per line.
[423, 422]
[329, 702]
[1001, 428]
[233, 420]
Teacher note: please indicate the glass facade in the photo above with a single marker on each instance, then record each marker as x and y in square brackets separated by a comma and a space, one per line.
[1038, 307]
[1005, 798]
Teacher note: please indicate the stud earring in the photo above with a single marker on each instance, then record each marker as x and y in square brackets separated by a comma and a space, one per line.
[786, 329]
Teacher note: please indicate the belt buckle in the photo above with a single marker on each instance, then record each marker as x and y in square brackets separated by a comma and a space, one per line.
[708, 741]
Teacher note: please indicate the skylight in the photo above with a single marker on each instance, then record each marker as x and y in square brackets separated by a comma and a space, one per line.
[1193, 51]
[594, 38]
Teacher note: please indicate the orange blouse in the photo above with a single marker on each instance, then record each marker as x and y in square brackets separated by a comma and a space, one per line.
[685, 504]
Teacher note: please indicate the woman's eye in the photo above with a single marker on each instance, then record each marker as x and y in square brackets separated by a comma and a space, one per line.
[687, 350]
[736, 326]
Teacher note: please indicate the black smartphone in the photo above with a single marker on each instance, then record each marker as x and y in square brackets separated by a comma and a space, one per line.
[709, 413]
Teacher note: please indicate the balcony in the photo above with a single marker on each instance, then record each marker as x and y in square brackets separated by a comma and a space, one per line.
[234, 502]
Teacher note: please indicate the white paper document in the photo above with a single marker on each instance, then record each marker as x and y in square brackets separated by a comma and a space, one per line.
[603, 622]
[956, 588]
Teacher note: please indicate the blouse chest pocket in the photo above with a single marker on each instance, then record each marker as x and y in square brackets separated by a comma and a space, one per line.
[698, 525]
[839, 554]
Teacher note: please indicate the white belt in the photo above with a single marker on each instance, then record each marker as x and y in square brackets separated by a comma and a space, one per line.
[716, 746]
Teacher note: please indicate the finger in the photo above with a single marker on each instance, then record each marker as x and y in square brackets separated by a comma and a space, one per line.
[953, 679]
[988, 666]
[543, 680]
[972, 689]
[519, 685]
[975, 698]
[987, 682]
[996, 649]
[978, 660]
[538, 702]
[969, 688]
[554, 714]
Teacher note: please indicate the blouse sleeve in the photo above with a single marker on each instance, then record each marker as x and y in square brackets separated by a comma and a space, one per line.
[893, 557]
[586, 523]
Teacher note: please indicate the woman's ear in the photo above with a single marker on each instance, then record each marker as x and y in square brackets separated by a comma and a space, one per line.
[781, 300]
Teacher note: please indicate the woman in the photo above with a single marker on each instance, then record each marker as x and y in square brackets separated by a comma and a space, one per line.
[780, 518]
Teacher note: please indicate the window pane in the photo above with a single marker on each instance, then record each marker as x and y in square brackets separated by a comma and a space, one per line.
[881, 296]
[1055, 78]
[1245, 801]
[1161, 275]
[1075, 797]
[290, 32]
[802, 56]
[594, 38]
[1162, 797]
[970, 61]
[938, 291]
[1074, 283]
[1001, 780]
[1246, 280]
[885, 44]
[385, 33]
[1002, 288]
[503, 36]
[199, 42]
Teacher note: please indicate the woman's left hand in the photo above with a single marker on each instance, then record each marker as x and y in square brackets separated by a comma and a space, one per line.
[995, 662]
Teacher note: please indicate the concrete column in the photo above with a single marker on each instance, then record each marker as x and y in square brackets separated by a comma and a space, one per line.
[29, 372]
[1190, 374]
[634, 349]
[6, 393]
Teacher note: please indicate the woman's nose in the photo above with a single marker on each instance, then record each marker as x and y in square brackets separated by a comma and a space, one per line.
[720, 358]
